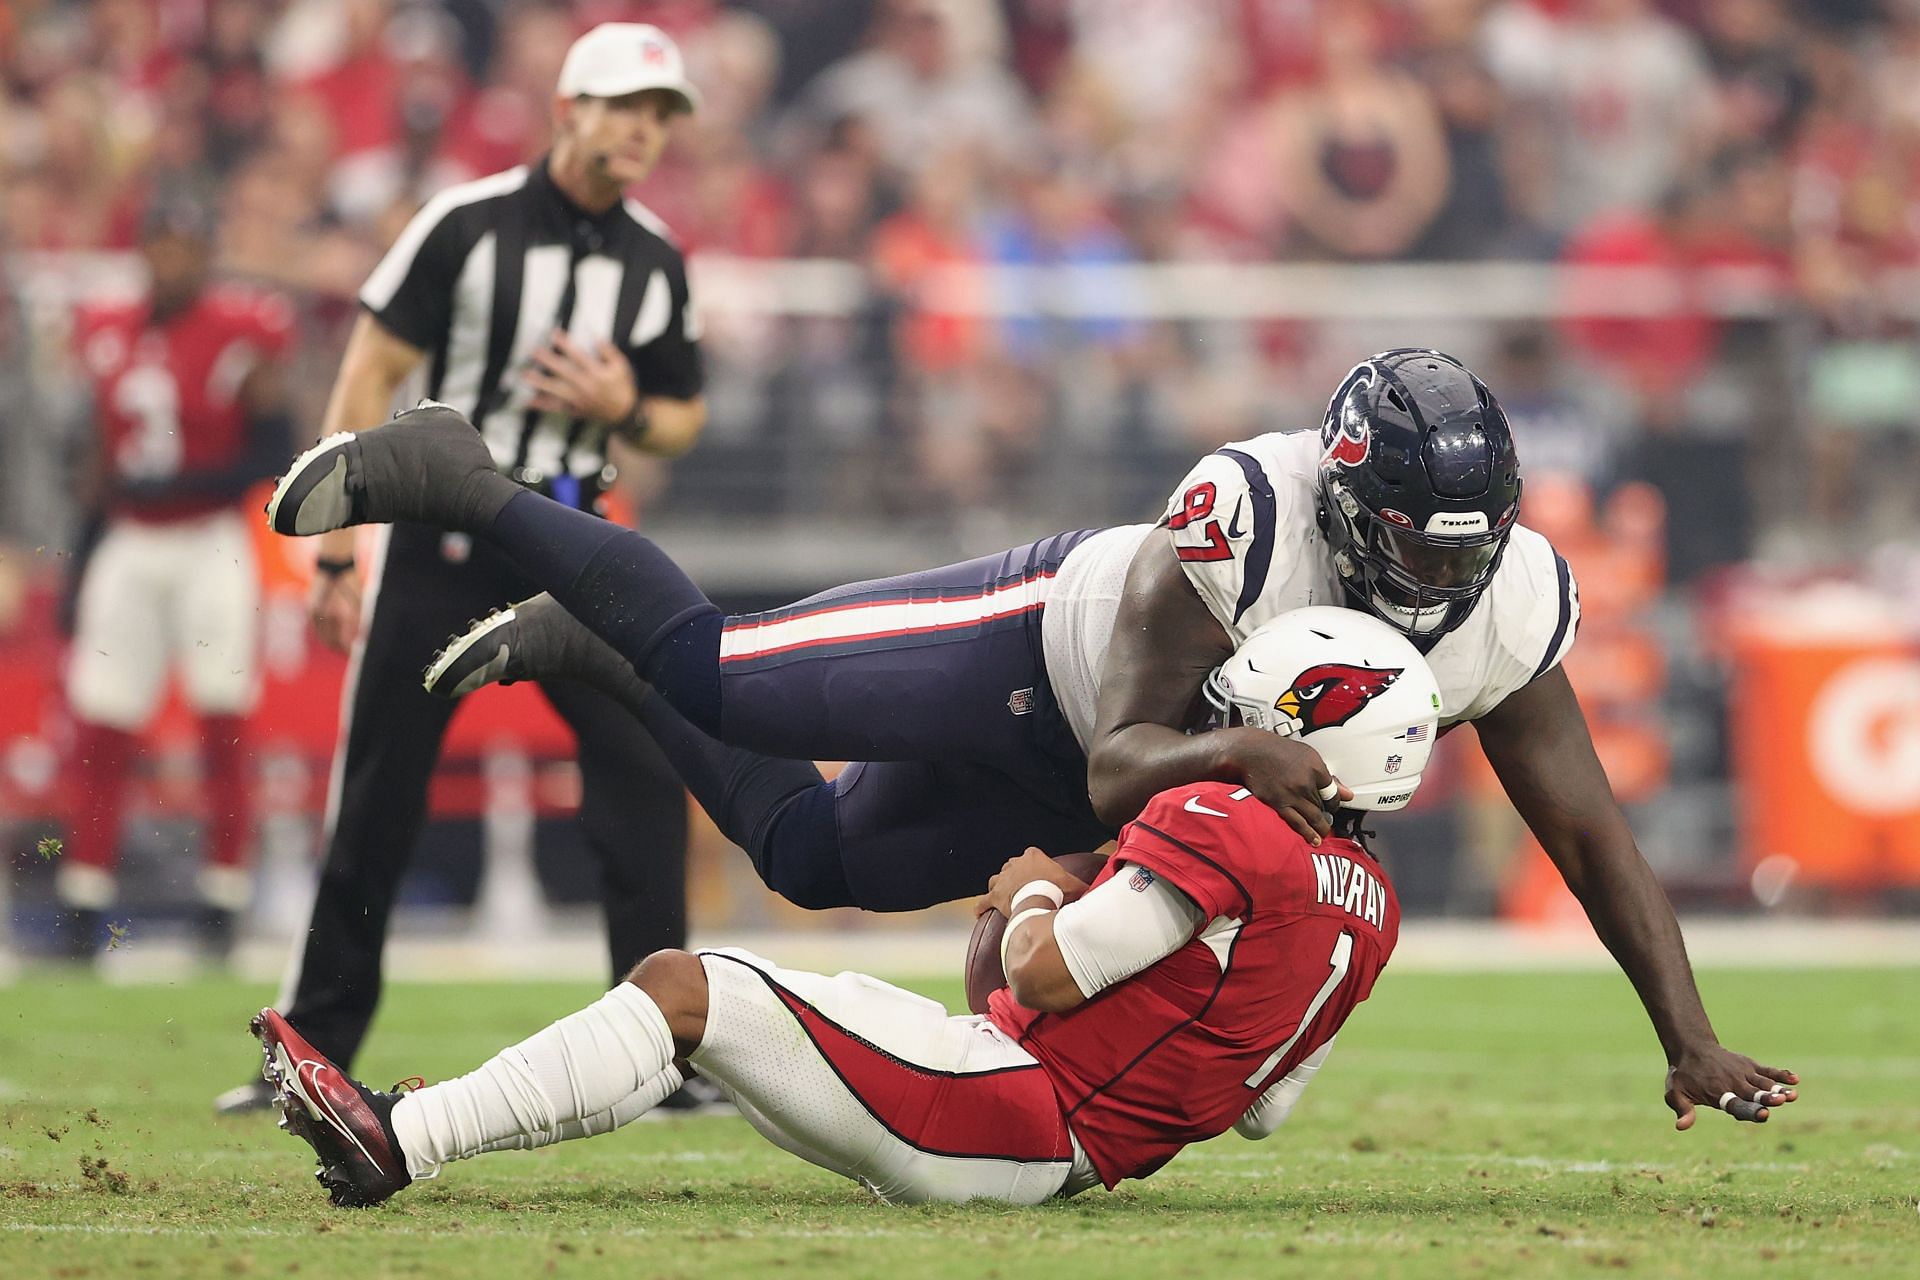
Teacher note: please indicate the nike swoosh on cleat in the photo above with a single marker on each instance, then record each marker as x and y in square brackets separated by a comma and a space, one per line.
[300, 1073]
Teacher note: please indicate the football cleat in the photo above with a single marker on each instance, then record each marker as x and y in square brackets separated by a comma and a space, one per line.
[348, 1125]
[536, 639]
[254, 1095]
[81, 930]
[213, 933]
[428, 466]
[698, 1096]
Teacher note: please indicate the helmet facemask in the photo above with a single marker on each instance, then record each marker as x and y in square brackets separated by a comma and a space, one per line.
[1422, 584]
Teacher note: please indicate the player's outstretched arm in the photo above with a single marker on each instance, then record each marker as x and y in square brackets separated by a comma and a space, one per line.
[1165, 642]
[1538, 744]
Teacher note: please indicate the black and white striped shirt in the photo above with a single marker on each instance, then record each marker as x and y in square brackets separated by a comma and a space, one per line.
[489, 268]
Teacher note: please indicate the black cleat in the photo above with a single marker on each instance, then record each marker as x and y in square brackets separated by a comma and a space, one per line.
[348, 1125]
[698, 1096]
[81, 930]
[214, 929]
[254, 1095]
[428, 466]
[536, 639]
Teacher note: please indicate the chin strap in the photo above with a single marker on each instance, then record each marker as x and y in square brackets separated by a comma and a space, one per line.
[1346, 825]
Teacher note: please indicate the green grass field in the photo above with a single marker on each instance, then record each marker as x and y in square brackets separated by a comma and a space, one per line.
[1479, 1125]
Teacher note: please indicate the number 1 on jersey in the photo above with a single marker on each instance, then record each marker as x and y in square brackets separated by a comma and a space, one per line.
[1342, 957]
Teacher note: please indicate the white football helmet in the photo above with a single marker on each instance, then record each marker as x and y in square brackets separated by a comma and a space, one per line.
[1346, 684]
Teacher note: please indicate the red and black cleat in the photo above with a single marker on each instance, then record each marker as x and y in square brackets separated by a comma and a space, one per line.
[348, 1125]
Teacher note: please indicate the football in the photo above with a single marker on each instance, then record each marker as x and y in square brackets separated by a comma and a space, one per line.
[983, 949]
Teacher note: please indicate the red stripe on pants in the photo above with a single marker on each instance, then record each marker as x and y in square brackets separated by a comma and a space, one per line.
[1004, 1114]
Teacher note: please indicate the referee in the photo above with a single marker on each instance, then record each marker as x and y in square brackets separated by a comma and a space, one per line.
[554, 313]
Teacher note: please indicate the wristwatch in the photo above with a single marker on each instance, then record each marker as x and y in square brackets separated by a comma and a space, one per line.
[633, 427]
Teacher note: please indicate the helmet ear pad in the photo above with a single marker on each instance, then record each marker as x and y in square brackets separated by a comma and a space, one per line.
[1418, 469]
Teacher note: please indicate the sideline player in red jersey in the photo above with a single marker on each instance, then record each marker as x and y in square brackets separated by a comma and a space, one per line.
[1194, 987]
[188, 406]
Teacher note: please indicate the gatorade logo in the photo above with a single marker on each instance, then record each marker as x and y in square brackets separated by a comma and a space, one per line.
[1863, 736]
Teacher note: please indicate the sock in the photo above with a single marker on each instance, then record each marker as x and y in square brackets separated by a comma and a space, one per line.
[102, 764]
[780, 811]
[223, 747]
[588, 1073]
[626, 591]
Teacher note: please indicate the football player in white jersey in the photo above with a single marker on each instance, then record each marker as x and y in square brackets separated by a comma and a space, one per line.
[1406, 505]
[1042, 696]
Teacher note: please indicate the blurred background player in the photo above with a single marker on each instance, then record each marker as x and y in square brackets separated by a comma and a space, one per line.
[552, 311]
[187, 402]
[1225, 952]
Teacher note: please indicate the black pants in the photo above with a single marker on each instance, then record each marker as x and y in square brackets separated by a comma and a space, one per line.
[633, 806]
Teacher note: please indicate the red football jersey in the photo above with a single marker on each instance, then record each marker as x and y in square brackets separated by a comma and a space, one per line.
[1178, 1052]
[166, 395]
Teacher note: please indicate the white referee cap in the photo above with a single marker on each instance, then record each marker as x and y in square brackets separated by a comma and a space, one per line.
[618, 58]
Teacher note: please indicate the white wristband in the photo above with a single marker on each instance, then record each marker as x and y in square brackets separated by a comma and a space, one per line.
[1038, 889]
[1006, 935]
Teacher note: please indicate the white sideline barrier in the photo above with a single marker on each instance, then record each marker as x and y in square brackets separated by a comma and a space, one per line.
[1478, 291]
[575, 952]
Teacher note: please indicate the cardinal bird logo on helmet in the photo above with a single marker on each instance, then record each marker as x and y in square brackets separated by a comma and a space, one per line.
[1332, 694]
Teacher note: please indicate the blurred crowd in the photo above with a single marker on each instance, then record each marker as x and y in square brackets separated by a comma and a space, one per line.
[1776, 138]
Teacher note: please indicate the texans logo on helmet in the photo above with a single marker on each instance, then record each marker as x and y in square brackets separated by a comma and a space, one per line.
[1333, 693]
[1347, 439]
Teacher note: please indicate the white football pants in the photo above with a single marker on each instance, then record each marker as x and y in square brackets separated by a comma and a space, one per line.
[160, 596]
[882, 1086]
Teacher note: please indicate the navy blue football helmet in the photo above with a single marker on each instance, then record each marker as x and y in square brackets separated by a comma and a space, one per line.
[1419, 489]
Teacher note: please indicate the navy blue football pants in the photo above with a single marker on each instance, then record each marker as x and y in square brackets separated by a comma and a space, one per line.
[934, 684]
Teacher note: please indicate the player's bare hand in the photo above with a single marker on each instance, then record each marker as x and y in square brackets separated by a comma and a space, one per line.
[1714, 1076]
[1021, 871]
[1289, 777]
[591, 381]
[333, 603]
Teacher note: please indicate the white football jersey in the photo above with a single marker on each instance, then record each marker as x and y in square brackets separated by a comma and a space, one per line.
[1244, 526]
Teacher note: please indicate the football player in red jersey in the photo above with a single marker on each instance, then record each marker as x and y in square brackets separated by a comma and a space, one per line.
[1195, 986]
[189, 415]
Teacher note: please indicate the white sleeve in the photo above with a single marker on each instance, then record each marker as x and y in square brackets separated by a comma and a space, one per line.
[1531, 612]
[1224, 523]
[1121, 927]
[1276, 1104]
